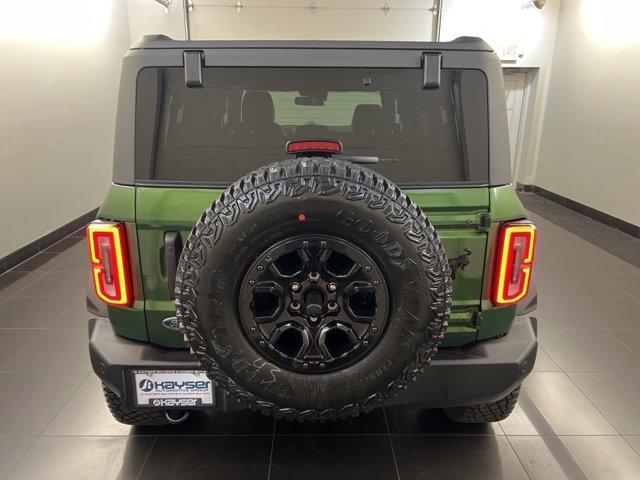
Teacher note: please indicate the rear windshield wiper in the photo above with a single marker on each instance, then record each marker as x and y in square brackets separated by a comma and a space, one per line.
[357, 158]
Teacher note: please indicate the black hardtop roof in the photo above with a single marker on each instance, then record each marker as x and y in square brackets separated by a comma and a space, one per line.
[164, 42]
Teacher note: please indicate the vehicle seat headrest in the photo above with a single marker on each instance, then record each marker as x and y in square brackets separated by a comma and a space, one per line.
[257, 107]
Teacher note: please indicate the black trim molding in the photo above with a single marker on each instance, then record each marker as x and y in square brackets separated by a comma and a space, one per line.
[42, 243]
[597, 215]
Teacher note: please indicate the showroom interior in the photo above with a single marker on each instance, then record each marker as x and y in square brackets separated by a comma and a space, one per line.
[571, 128]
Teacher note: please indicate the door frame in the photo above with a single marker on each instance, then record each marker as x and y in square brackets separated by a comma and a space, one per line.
[526, 119]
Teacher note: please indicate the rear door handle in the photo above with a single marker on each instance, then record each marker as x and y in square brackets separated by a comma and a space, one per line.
[172, 251]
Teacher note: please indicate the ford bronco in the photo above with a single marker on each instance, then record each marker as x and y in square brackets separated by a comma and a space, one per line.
[311, 230]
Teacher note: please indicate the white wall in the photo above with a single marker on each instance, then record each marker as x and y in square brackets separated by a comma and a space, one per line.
[59, 76]
[328, 20]
[590, 146]
[509, 28]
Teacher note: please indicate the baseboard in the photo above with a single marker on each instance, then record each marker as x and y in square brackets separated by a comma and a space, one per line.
[605, 218]
[44, 242]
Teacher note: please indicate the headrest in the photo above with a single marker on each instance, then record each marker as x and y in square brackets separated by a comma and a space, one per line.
[366, 117]
[257, 107]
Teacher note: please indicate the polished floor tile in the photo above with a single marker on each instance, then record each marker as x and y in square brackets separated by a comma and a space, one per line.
[12, 449]
[580, 285]
[562, 312]
[456, 457]
[12, 342]
[544, 363]
[86, 414]
[43, 261]
[628, 338]
[30, 400]
[629, 282]
[617, 396]
[53, 351]
[32, 312]
[58, 284]
[634, 441]
[241, 422]
[76, 316]
[79, 458]
[13, 282]
[587, 351]
[190, 458]
[582, 457]
[415, 421]
[332, 456]
[551, 404]
[612, 313]
[65, 244]
[76, 262]
[365, 424]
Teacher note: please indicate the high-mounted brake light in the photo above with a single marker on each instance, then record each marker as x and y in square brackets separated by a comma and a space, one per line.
[514, 261]
[110, 263]
[314, 146]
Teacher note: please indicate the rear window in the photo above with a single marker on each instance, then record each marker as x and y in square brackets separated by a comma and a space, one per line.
[243, 117]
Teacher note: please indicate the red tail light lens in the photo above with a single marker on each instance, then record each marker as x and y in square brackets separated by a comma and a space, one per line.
[514, 261]
[110, 263]
[320, 146]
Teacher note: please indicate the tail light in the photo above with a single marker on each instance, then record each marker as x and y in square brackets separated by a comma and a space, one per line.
[514, 261]
[314, 146]
[110, 263]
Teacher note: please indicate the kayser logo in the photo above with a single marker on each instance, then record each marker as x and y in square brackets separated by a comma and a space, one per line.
[147, 385]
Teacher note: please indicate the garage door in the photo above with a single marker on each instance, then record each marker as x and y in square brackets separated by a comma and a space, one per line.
[311, 20]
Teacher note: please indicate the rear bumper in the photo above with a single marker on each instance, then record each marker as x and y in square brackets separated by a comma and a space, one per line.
[477, 373]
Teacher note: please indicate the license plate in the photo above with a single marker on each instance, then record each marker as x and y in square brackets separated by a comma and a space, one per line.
[172, 388]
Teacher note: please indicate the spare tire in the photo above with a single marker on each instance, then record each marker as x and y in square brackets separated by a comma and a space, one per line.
[313, 289]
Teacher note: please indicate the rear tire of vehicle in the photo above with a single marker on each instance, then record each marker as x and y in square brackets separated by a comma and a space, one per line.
[138, 416]
[485, 412]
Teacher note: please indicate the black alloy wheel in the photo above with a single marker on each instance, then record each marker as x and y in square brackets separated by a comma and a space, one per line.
[314, 303]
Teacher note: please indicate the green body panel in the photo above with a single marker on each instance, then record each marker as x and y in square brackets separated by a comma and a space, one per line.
[120, 205]
[459, 216]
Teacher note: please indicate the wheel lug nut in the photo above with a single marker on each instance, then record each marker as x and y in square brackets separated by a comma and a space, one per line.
[367, 268]
[332, 306]
[295, 287]
[314, 277]
[332, 287]
[376, 282]
[305, 244]
[252, 282]
[295, 305]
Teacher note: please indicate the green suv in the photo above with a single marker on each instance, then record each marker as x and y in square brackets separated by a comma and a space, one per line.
[311, 230]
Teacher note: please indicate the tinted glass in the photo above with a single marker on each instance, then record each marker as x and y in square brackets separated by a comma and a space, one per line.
[243, 117]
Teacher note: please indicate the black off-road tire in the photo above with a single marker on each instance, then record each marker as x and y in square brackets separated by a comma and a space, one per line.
[485, 412]
[138, 417]
[247, 219]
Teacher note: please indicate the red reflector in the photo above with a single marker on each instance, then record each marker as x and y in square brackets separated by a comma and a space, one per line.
[320, 146]
[514, 262]
[302, 217]
[109, 263]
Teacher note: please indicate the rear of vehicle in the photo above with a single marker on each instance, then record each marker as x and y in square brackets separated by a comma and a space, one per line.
[194, 117]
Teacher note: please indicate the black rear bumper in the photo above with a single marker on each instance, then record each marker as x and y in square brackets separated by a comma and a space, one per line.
[482, 372]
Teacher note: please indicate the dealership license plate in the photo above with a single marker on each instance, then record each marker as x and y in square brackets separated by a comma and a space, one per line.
[172, 388]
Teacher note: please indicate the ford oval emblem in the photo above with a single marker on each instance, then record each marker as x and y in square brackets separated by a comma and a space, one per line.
[172, 323]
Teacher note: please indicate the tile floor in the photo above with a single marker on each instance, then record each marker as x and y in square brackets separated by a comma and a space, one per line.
[578, 415]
